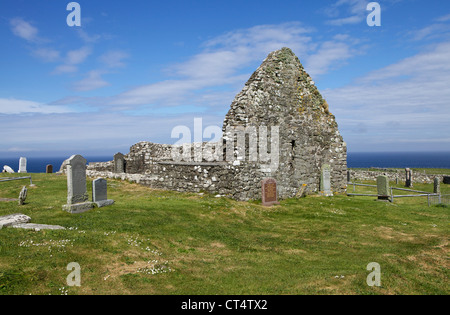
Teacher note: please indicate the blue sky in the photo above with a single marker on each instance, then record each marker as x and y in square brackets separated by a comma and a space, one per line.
[135, 70]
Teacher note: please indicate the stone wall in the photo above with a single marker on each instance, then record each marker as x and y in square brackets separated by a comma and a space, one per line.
[393, 174]
[288, 127]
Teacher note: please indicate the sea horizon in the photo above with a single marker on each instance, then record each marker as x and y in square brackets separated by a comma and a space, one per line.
[354, 160]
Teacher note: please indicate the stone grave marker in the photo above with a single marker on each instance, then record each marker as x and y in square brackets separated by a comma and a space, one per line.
[23, 195]
[21, 221]
[22, 165]
[383, 188]
[325, 181]
[77, 197]
[446, 180]
[17, 218]
[100, 193]
[437, 186]
[349, 177]
[408, 180]
[119, 163]
[8, 169]
[49, 169]
[269, 192]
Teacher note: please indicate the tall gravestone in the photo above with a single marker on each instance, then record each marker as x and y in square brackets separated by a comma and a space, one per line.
[437, 185]
[325, 180]
[119, 163]
[49, 169]
[408, 179]
[383, 188]
[22, 165]
[269, 192]
[77, 197]
[100, 193]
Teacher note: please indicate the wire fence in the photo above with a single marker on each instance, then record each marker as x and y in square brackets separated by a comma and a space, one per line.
[433, 198]
[439, 200]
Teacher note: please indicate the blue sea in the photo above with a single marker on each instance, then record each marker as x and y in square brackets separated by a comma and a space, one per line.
[362, 160]
[39, 164]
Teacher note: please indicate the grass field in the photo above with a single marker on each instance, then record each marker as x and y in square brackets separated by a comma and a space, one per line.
[158, 242]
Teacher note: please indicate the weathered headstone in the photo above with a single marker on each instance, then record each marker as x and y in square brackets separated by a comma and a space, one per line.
[49, 169]
[63, 167]
[100, 193]
[325, 181]
[22, 165]
[349, 176]
[408, 180]
[383, 188]
[437, 185]
[269, 192]
[21, 221]
[9, 220]
[23, 195]
[77, 197]
[446, 180]
[119, 163]
[8, 169]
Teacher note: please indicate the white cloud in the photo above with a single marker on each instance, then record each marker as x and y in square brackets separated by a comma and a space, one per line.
[355, 12]
[228, 60]
[13, 106]
[93, 81]
[75, 57]
[24, 29]
[408, 99]
[72, 60]
[47, 54]
[114, 59]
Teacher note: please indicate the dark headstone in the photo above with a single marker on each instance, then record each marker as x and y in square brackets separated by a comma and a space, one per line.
[49, 169]
[100, 193]
[269, 192]
[408, 180]
[119, 163]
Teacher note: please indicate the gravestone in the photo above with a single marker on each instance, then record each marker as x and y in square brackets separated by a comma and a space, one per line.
[9, 220]
[23, 195]
[8, 169]
[349, 177]
[100, 193]
[49, 169]
[22, 165]
[383, 188]
[269, 192]
[21, 221]
[77, 197]
[446, 180]
[119, 163]
[437, 186]
[325, 181]
[408, 180]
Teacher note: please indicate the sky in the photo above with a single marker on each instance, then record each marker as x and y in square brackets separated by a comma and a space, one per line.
[134, 70]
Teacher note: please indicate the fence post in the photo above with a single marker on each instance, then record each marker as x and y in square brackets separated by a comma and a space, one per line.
[428, 198]
[392, 196]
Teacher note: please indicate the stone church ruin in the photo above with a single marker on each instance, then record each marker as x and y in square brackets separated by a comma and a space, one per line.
[278, 126]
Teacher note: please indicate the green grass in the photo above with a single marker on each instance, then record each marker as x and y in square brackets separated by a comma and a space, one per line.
[158, 242]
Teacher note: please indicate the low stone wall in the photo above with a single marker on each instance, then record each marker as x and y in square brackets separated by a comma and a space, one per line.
[418, 177]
